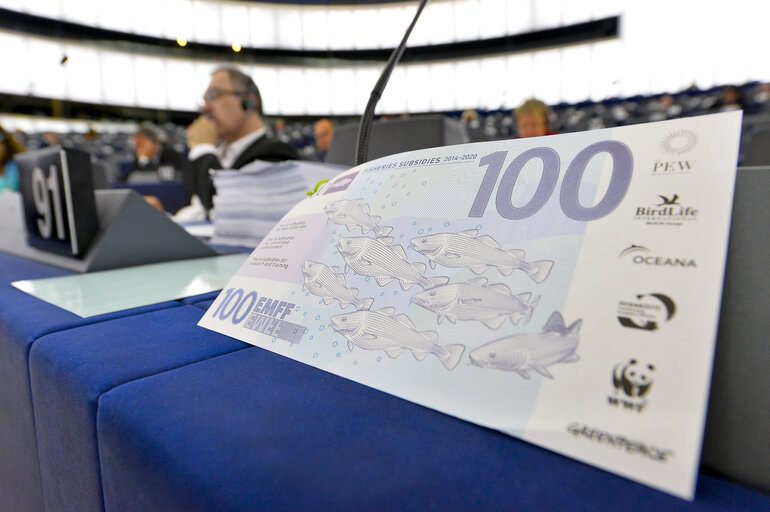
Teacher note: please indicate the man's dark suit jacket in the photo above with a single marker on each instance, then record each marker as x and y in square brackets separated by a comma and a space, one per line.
[197, 178]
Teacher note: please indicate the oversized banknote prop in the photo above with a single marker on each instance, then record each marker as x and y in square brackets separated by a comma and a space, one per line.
[564, 290]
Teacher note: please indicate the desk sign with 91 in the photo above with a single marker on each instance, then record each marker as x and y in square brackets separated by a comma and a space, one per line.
[58, 197]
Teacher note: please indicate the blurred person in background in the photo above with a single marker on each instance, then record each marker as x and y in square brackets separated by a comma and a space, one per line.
[152, 154]
[532, 119]
[229, 133]
[9, 173]
[323, 131]
[729, 100]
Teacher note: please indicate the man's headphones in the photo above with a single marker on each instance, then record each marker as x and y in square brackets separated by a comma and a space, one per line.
[248, 104]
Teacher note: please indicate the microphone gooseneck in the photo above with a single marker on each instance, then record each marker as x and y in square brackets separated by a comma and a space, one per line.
[365, 126]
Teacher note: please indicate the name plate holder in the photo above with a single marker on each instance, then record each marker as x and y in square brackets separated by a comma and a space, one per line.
[61, 221]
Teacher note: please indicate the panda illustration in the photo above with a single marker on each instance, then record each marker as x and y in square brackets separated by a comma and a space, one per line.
[633, 377]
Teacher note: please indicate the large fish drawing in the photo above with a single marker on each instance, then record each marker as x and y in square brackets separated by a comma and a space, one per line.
[326, 283]
[355, 214]
[522, 353]
[465, 249]
[381, 330]
[475, 300]
[373, 257]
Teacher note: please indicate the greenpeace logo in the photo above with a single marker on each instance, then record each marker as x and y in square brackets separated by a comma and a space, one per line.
[620, 442]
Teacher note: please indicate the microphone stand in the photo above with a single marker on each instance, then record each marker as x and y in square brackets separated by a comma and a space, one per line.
[365, 127]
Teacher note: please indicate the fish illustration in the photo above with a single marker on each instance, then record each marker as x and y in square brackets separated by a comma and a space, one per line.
[522, 353]
[475, 300]
[373, 257]
[465, 249]
[381, 330]
[355, 214]
[326, 283]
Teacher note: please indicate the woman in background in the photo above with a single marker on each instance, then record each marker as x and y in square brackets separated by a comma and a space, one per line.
[9, 173]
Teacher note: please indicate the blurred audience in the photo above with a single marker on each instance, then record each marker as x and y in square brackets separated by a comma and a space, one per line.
[229, 133]
[532, 119]
[153, 154]
[323, 131]
[729, 100]
[9, 173]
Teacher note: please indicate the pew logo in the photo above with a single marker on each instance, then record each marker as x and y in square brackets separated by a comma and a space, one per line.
[647, 312]
[641, 255]
[675, 146]
[632, 381]
[666, 209]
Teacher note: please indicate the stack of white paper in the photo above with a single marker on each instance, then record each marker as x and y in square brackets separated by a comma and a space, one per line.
[250, 201]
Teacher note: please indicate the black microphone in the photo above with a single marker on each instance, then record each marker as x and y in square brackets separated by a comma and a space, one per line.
[365, 127]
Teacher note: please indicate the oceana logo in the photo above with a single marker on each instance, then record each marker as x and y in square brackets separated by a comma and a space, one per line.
[640, 255]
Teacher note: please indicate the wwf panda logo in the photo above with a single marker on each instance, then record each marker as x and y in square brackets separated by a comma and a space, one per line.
[633, 377]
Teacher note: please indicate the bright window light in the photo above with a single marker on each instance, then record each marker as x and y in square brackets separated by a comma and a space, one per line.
[394, 99]
[317, 32]
[576, 76]
[318, 92]
[340, 27]
[607, 78]
[493, 74]
[14, 5]
[518, 17]
[467, 20]
[46, 73]
[289, 28]
[468, 84]
[235, 23]
[547, 13]
[266, 79]
[419, 88]
[46, 8]
[343, 84]
[150, 82]
[178, 19]
[292, 84]
[426, 25]
[207, 26]
[547, 76]
[366, 77]
[116, 15]
[262, 27]
[391, 24]
[180, 77]
[443, 85]
[492, 16]
[84, 81]
[118, 78]
[519, 80]
[363, 29]
[145, 25]
[82, 11]
[438, 19]
[15, 50]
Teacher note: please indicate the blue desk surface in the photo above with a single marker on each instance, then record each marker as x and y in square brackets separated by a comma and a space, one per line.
[143, 410]
[253, 430]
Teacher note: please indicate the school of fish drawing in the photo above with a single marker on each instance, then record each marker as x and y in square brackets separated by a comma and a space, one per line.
[375, 255]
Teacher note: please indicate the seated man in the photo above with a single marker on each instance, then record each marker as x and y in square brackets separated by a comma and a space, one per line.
[323, 131]
[230, 133]
[151, 154]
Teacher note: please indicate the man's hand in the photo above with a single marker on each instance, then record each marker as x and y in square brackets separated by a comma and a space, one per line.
[201, 131]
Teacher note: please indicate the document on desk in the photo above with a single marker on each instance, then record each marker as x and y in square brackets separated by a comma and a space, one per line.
[98, 293]
[564, 290]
